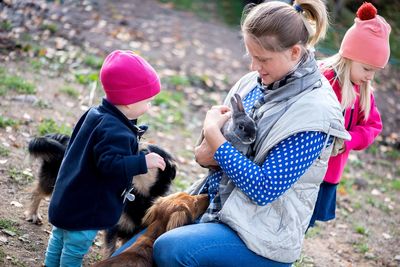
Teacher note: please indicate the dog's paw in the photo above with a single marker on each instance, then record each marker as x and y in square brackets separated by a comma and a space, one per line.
[34, 218]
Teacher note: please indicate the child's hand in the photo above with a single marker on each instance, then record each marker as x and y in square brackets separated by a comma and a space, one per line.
[153, 160]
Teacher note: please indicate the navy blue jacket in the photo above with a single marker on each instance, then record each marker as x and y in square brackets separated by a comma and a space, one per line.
[99, 163]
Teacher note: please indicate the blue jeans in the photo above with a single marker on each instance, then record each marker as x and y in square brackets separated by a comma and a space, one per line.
[67, 248]
[203, 244]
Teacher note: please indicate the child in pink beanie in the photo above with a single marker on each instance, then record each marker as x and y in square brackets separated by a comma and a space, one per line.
[364, 50]
[102, 156]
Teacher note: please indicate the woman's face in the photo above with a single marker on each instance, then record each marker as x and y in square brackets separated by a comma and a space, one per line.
[361, 73]
[271, 66]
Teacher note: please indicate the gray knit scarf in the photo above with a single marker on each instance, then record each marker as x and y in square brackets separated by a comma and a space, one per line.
[282, 94]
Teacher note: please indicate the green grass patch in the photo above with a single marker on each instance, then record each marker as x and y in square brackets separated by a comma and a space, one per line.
[396, 184]
[170, 113]
[393, 154]
[36, 64]
[20, 177]
[361, 247]
[15, 83]
[50, 126]
[4, 152]
[50, 26]
[378, 204]
[304, 261]
[16, 262]
[86, 78]
[357, 205]
[9, 225]
[169, 99]
[42, 104]
[313, 231]
[6, 25]
[70, 91]
[178, 80]
[165, 120]
[373, 149]
[180, 183]
[360, 229]
[230, 11]
[2, 255]
[346, 185]
[203, 9]
[4, 122]
[93, 61]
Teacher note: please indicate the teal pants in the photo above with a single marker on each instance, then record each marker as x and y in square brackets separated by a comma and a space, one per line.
[67, 248]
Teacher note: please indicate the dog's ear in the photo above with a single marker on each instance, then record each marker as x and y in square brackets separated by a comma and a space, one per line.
[152, 212]
[179, 218]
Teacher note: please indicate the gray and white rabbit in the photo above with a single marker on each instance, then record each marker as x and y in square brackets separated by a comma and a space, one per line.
[240, 130]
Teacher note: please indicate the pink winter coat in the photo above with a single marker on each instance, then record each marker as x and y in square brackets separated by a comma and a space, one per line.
[363, 132]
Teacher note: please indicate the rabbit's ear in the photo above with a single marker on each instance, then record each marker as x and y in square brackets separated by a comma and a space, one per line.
[239, 102]
[234, 104]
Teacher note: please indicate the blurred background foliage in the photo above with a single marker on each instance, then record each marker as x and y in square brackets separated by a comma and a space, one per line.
[342, 14]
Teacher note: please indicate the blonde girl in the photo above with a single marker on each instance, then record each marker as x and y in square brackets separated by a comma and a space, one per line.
[364, 50]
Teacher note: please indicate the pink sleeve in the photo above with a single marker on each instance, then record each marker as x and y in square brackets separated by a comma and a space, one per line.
[365, 132]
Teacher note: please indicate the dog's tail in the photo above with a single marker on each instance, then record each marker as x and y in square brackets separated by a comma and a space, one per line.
[49, 147]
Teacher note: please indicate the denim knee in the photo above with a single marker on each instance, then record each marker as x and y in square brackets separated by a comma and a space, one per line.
[166, 252]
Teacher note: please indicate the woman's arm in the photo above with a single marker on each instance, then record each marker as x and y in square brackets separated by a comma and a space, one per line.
[284, 165]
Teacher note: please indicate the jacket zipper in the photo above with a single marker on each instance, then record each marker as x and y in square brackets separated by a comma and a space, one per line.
[351, 118]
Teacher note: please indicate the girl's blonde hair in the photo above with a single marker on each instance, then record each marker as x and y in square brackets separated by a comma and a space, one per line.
[278, 26]
[341, 66]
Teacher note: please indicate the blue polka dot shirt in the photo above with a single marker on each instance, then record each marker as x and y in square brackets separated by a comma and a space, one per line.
[285, 163]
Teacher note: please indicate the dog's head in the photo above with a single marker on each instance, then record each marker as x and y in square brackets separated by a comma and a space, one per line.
[176, 210]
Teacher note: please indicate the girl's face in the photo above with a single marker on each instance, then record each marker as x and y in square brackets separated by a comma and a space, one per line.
[361, 73]
[135, 110]
[271, 66]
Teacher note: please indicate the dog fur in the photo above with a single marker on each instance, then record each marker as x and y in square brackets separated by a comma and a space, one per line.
[147, 187]
[166, 214]
[50, 149]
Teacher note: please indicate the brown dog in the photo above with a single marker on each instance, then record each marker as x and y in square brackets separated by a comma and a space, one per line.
[166, 214]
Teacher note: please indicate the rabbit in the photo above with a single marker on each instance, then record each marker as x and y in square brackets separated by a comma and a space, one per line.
[240, 130]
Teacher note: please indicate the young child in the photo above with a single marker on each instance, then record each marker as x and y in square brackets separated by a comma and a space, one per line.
[95, 176]
[364, 50]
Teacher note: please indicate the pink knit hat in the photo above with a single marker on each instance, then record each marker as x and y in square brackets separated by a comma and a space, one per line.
[367, 41]
[127, 78]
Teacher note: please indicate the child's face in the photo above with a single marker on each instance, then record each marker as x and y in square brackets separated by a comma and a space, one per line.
[135, 110]
[271, 66]
[361, 73]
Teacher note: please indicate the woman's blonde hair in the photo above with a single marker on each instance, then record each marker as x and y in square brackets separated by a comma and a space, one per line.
[341, 66]
[278, 26]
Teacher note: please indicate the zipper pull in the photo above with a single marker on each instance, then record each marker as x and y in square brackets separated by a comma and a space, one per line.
[128, 195]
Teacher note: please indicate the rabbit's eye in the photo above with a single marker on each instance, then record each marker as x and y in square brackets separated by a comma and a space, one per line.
[241, 127]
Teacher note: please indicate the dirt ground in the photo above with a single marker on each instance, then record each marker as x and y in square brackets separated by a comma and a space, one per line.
[198, 61]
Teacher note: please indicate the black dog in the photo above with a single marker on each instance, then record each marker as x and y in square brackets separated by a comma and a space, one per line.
[50, 149]
[147, 187]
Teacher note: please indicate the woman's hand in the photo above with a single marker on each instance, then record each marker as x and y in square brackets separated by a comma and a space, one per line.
[215, 119]
[217, 116]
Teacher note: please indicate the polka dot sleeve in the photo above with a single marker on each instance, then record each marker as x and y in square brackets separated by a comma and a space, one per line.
[283, 166]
